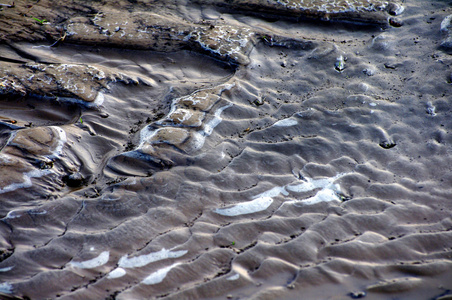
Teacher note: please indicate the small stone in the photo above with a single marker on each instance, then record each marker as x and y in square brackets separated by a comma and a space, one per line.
[395, 9]
[46, 164]
[446, 45]
[395, 22]
[431, 110]
[357, 295]
[390, 66]
[445, 24]
[340, 64]
[258, 101]
[369, 71]
[387, 144]
[74, 180]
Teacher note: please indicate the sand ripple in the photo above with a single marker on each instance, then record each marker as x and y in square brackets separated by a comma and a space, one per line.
[251, 166]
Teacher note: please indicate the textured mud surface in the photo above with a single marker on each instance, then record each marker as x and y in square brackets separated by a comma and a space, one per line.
[225, 149]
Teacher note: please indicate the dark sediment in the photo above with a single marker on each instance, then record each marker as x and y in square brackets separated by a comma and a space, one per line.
[192, 149]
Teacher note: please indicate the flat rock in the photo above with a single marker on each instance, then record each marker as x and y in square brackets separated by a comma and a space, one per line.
[359, 11]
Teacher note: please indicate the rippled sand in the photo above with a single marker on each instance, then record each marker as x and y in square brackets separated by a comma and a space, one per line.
[226, 149]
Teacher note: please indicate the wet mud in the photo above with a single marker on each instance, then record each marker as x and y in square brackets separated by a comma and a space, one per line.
[225, 150]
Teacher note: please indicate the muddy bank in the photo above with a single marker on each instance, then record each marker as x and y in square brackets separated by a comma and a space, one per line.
[225, 150]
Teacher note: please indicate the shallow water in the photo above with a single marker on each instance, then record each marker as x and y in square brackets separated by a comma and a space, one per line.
[315, 159]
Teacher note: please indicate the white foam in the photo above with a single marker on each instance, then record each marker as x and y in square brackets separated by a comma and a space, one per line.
[199, 137]
[4, 158]
[324, 195]
[159, 275]
[13, 214]
[62, 139]
[311, 184]
[146, 135]
[210, 126]
[6, 288]
[116, 273]
[6, 269]
[143, 260]
[233, 277]
[26, 180]
[431, 110]
[37, 212]
[329, 191]
[286, 123]
[100, 98]
[101, 260]
[256, 205]
[10, 139]
[273, 192]
[261, 202]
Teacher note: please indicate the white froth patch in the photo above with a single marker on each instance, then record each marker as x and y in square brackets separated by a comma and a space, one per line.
[210, 126]
[273, 192]
[146, 135]
[233, 277]
[100, 98]
[4, 158]
[142, 260]
[37, 212]
[159, 275]
[6, 269]
[431, 110]
[329, 191]
[26, 180]
[199, 137]
[13, 214]
[261, 202]
[98, 261]
[311, 184]
[116, 273]
[324, 195]
[286, 123]
[6, 288]
[62, 139]
[256, 205]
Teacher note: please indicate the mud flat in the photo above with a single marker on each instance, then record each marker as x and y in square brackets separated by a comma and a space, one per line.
[225, 150]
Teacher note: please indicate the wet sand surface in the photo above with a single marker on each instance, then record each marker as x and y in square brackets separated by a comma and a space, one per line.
[225, 150]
